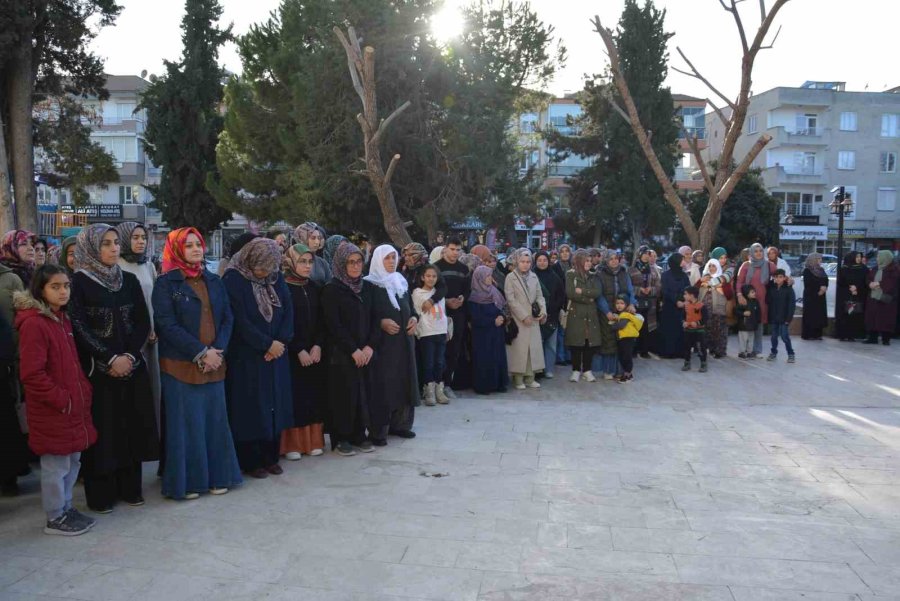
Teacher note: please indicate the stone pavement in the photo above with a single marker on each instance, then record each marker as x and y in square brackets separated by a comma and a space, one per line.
[755, 482]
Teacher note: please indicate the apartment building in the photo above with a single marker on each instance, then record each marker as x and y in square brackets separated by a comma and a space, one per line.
[824, 136]
[692, 114]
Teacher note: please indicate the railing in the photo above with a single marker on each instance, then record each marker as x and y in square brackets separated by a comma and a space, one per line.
[52, 224]
[565, 170]
[803, 170]
[699, 132]
[795, 208]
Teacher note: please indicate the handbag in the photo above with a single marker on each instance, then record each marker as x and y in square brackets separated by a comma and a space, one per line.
[510, 329]
[564, 315]
[535, 306]
[853, 307]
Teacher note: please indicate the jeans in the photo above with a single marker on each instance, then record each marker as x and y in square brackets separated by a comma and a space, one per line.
[757, 341]
[58, 475]
[562, 351]
[550, 353]
[432, 349]
[781, 330]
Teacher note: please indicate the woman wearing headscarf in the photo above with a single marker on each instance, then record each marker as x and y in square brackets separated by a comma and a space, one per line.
[486, 309]
[815, 311]
[757, 271]
[305, 354]
[40, 252]
[554, 293]
[17, 253]
[881, 308]
[395, 383]
[234, 247]
[133, 259]
[712, 295]
[351, 335]
[525, 355]
[194, 323]
[258, 382]
[671, 331]
[111, 323]
[471, 261]
[646, 285]
[64, 254]
[850, 298]
[688, 265]
[437, 253]
[330, 248]
[561, 268]
[613, 280]
[312, 235]
[583, 323]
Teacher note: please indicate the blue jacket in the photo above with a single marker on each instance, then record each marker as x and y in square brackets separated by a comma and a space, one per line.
[176, 314]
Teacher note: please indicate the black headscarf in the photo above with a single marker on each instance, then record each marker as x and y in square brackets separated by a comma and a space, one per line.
[850, 260]
[549, 280]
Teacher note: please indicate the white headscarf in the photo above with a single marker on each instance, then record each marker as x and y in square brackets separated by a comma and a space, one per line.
[715, 277]
[395, 284]
[437, 253]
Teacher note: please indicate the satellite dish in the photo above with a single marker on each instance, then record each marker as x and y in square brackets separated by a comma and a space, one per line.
[144, 74]
[153, 78]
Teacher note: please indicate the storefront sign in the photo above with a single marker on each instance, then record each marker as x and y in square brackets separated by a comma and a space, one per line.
[802, 220]
[804, 232]
[850, 233]
[94, 211]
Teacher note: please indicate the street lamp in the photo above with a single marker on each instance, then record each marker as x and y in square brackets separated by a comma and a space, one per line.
[840, 206]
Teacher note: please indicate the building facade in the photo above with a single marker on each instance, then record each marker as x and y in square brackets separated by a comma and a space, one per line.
[692, 113]
[824, 136]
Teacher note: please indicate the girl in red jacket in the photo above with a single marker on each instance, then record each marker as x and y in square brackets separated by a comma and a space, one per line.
[57, 393]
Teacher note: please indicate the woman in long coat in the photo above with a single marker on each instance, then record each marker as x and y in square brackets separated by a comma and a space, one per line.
[582, 322]
[613, 280]
[486, 307]
[111, 324]
[646, 283]
[351, 335]
[525, 355]
[881, 308]
[554, 290]
[395, 383]
[671, 331]
[194, 323]
[815, 311]
[305, 353]
[851, 288]
[258, 382]
[757, 271]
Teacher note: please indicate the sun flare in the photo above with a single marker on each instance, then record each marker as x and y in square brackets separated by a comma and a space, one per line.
[447, 23]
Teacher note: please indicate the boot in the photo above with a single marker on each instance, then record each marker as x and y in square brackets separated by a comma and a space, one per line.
[428, 399]
[686, 366]
[440, 394]
[703, 367]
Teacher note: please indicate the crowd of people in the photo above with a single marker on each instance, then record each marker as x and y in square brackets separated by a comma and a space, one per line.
[219, 376]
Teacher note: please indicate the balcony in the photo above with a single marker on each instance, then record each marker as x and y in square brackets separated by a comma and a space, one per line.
[135, 126]
[779, 175]
[699, 132]
[564, 170]
[812, 136]
[130, 173]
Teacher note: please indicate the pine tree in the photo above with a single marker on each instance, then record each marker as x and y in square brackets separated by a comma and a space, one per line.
[618, 198]
[184, 122]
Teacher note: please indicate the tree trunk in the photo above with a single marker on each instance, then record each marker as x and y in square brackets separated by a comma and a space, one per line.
[21, 134]
[596, 242]
[7, 209]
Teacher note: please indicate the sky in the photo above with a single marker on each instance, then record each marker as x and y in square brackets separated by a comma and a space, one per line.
[822, 40]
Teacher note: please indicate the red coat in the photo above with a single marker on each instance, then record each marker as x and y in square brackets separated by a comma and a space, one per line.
[758, 285]
[57, 393]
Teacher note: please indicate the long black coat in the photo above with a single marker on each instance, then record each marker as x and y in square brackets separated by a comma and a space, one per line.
[395, 382]
[850, 326]
[881, 315]
[815, 311]
[258, 392]
[349, 327]
[308, 386]
[671, 332]
[107, 324]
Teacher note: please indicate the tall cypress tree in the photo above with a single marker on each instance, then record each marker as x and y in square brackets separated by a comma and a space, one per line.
[619, 198]
[184, 122]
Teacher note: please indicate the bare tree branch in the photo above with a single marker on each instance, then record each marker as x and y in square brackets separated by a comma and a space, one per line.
[353, 61]
[762, 10]
[718, 112]
[386, 122]
[695, 150]
[744, 166]
[619, 109]
[390, 170]
[772, 43]
[736, 15]
[696, 74]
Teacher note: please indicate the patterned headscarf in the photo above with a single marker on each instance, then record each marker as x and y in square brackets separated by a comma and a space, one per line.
[522, 252]
[417, 252]
[289, 264]
[173, 252]
[331, 246]
[395, 284]
[339, 265]
[761, 264]
[87, 257]
[303, 231]
[814, 264]
[484, 292]
[260, 253]
[471, 261]
[125, 230]
[9, 251]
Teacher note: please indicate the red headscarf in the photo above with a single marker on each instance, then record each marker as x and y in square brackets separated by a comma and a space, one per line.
[173, 252]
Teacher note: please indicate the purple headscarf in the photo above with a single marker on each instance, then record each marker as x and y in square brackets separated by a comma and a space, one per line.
[339, 265]
[483, 293]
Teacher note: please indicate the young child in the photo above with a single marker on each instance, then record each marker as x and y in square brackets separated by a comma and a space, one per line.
[431, 333]
[628, 327]
[748, 319]
[58, 393]
[695, 317]
[782, 302]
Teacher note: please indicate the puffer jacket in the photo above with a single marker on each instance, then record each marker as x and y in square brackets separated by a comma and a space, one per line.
[57, 393]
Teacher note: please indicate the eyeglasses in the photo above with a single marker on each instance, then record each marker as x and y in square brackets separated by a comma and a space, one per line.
[354, 262]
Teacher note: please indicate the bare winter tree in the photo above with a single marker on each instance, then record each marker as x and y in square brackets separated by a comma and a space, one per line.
[719, 185]
[362, 71]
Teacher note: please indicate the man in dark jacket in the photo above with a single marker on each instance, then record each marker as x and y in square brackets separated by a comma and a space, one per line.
[782, 302]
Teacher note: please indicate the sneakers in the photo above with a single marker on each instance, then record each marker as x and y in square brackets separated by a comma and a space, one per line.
[76, 515]
[576, 375]
[139, 502]
[624, 378]
[66, 525]
[316, 452]
[379, 442]
[429, 399]
[771, 357]
[293, 456]
[440, 394]
[449, 393]
[344, 449]
[533, 384]
[609, 376]
[752, 355]
[791, 359]
[589, 376]
[519, 387]
[742, 355]
[365, 446]
[191, 496]
[686, 366]
[703, 369]
[218, 491]
[548, 375]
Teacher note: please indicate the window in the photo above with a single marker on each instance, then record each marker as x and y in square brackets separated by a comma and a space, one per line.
[128, 195]
[888, 162]
[847, 159]
[752, 124]
[807, 124]
[887, 199]
[889, 125]
[123, 150]
[848, 121]
[694, 121]
[530, 158]
[804, 163]
[125, 110]
[528, 123]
